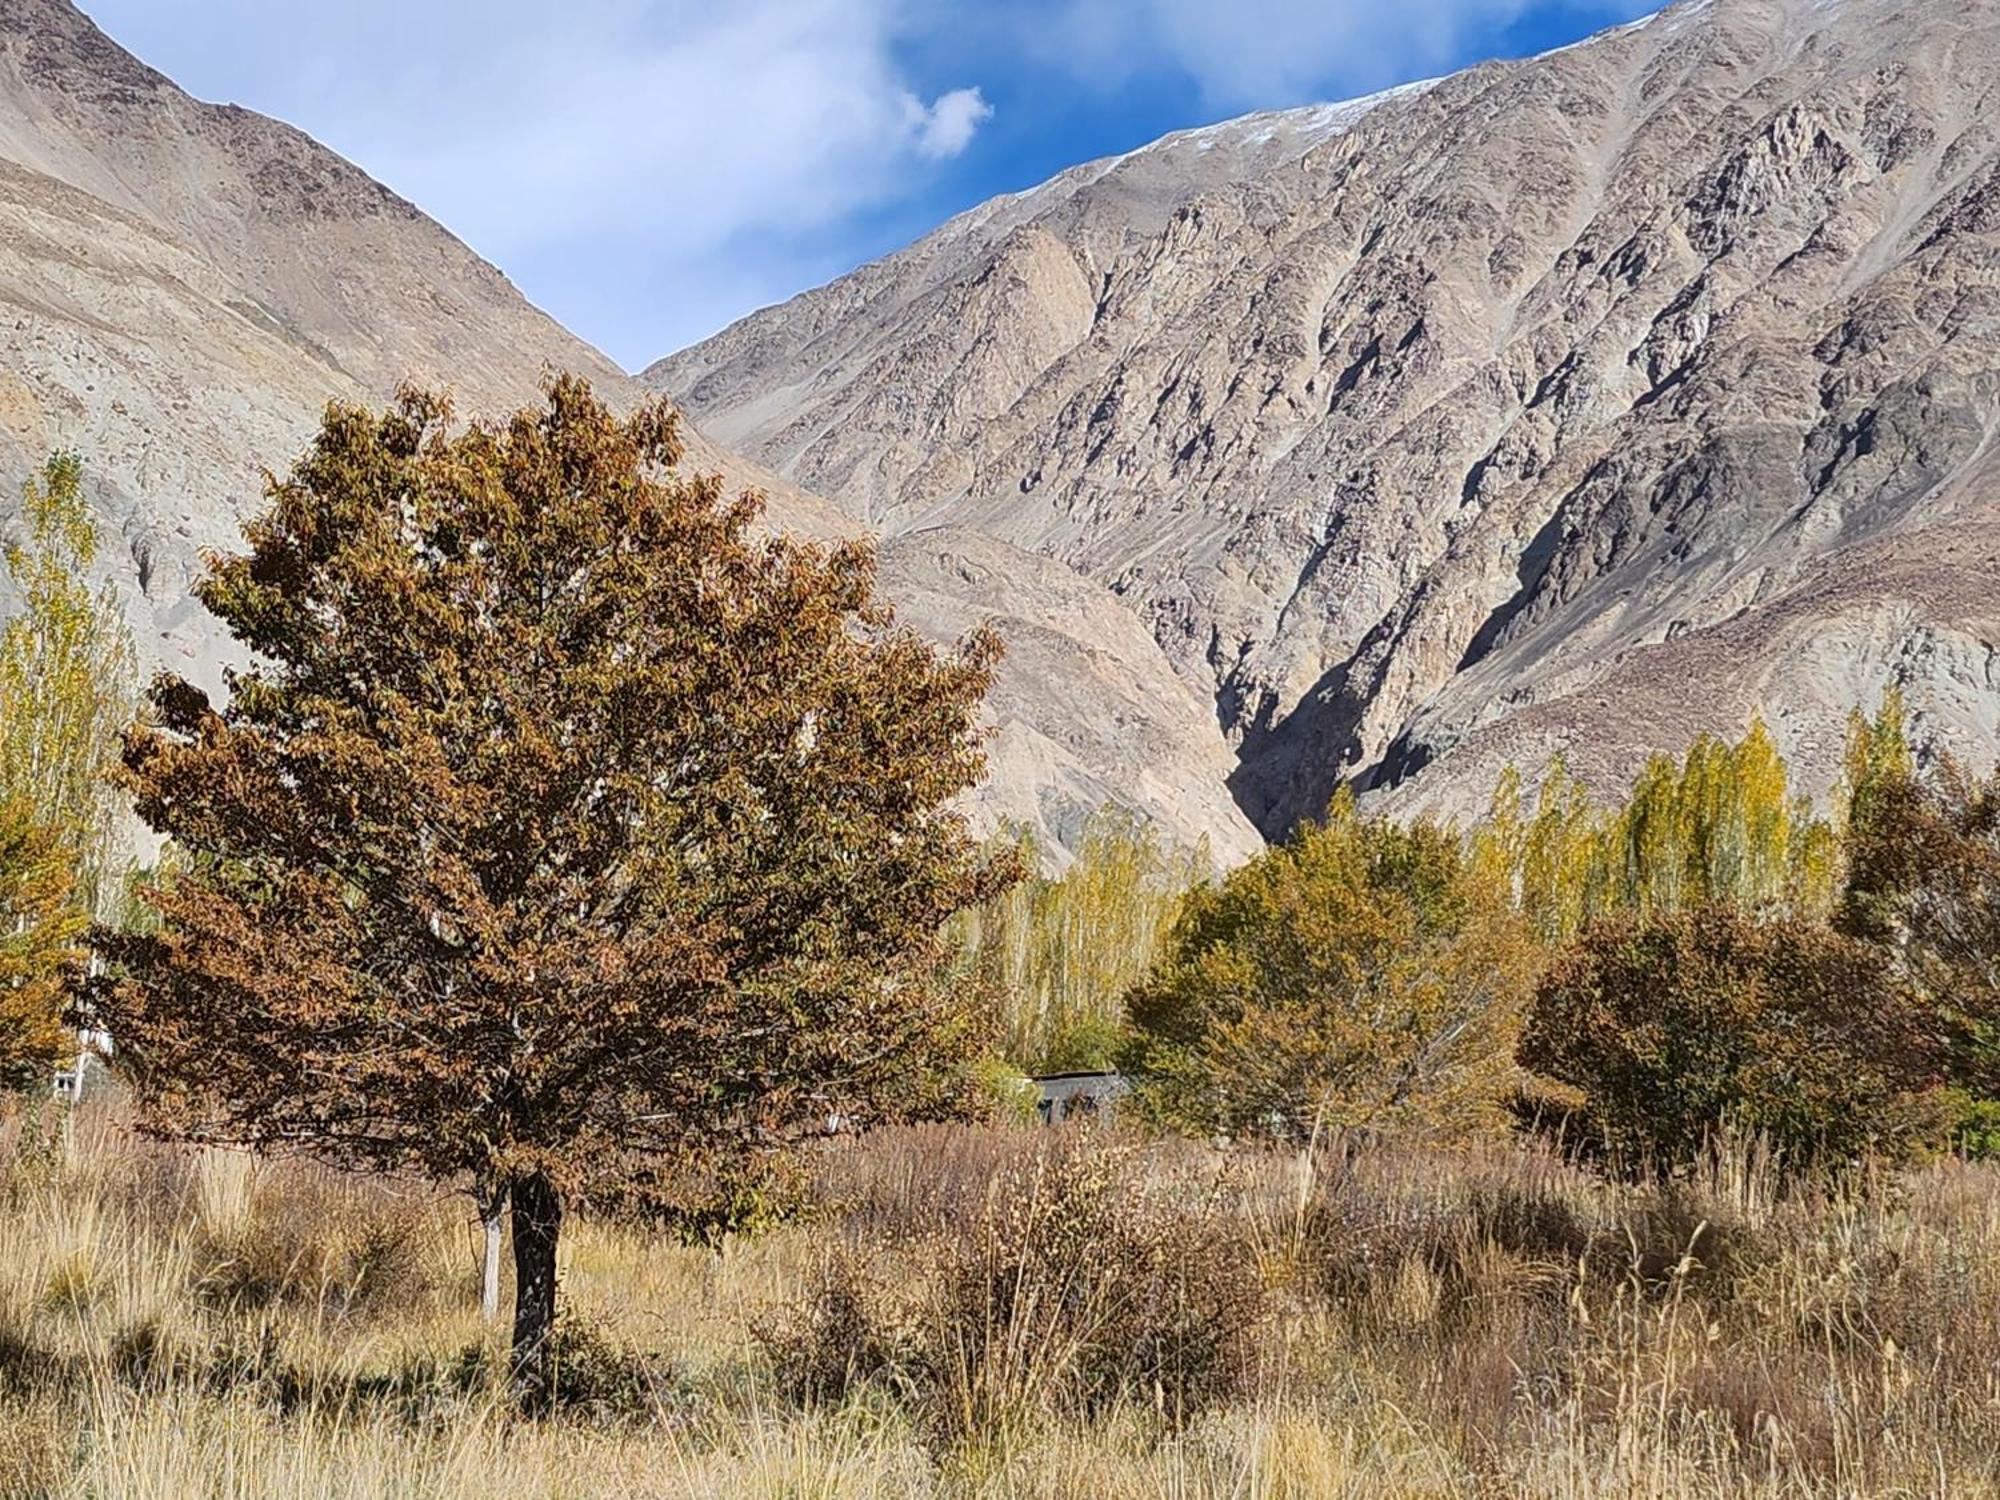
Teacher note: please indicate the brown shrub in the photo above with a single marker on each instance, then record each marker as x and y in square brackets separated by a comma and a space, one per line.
[847, 1329]
[1087, 1276]
[1681, 1026]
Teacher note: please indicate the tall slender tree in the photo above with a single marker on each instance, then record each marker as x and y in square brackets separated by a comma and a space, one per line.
[566, 833]
[67, 678]
[66, 690]
[1059, 953]
[1720, 828]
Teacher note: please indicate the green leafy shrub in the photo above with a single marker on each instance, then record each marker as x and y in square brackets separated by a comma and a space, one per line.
[1364, 975]
[1975, 1125]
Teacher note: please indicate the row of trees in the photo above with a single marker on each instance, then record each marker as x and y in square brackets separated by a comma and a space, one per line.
[1708, 955]
[1722, 826]
[1054, 955]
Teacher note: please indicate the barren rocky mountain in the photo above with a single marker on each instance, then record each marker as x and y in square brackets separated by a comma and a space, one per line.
[1577, 404]
[183, 286]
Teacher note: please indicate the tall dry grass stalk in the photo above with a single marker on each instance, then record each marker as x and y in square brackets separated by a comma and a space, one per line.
[1373, 1322]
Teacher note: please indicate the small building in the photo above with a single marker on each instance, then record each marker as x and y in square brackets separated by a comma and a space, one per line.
[85, 1076]
[1076, 1096]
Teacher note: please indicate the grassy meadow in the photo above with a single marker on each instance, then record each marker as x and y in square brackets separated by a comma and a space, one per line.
[993, 1312]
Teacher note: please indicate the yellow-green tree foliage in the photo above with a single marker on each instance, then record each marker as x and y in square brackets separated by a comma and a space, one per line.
[66, 677]
[1059, 953]
[1363, 976]
[65, 690]
[40, 928]
[1721, 827]
[1879, 759]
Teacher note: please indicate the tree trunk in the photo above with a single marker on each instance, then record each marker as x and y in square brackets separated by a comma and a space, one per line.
[493, 1215]
[537, 1221]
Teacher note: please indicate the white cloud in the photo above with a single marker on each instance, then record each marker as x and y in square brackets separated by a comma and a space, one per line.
[630, 155]
[1259, 54]
[947, 127]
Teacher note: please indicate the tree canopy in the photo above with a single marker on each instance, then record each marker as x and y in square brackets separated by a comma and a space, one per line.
[1924, 883]
[1059, 953]
[1679, 1026]
[565, 832]
[1363, 975]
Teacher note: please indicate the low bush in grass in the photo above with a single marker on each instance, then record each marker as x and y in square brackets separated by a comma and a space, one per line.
[1085, 1279]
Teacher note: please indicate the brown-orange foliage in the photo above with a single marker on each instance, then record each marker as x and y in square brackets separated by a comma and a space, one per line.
[1924, 882]
[1680, 1026]
[565, 832]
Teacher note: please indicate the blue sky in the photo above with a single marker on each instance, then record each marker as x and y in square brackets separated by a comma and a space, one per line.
[649, 170]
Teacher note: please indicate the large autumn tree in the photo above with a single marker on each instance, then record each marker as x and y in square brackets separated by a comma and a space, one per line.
[566, 832]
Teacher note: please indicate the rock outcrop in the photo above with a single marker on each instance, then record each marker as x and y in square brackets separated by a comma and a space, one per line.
[1571, 405]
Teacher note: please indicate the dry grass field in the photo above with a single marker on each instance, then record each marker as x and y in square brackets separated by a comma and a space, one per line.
[994, 1313]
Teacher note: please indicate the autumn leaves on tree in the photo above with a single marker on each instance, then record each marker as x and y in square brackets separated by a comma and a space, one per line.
[1365, 976]
[566, 834]
[1710, 955]
[39, 947]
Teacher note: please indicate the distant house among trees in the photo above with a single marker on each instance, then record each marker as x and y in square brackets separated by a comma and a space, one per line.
[1068, 1096]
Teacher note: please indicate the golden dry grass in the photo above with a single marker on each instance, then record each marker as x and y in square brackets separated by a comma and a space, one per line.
[1481, 1324]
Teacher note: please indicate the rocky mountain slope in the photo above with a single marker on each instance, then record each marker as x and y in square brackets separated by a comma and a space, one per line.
[184, 285]
[1576, 404]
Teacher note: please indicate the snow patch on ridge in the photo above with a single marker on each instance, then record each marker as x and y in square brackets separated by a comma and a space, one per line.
[1314, 122]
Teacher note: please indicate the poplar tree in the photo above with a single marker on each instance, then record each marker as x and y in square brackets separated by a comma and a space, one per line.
[1721, 828]
[66, 677]
[566, 836]
[65, 693]
[1060, 953]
